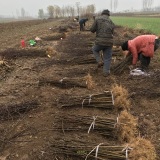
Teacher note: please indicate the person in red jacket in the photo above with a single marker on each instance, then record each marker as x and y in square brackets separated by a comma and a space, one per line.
[142, 48]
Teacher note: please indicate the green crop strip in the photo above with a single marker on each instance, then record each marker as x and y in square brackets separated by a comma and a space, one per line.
[147, 23]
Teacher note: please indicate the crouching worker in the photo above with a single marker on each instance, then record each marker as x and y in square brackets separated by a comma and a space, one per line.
[104, 28]
[82, 23]
[142, 48]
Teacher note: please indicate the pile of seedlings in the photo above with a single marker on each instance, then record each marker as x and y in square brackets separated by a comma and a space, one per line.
[127, 127]
[5, 67]
[52, 53]
[138, 149]
[54, 36]
[4, 63]
[66, 82]
[123, 65]
[83, 60]
[95, 124]
[13, 110]
[13, 132]
[77, 61]
[123, 127]
[87, 150]
[101, 100]
[115, 99]
[121, 97]
[142, 149]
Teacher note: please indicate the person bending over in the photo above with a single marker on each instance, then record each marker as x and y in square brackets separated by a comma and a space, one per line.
[142, 48]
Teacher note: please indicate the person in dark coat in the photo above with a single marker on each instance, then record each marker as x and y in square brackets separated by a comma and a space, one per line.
[82, 23]
[104, 28]
[94, 16]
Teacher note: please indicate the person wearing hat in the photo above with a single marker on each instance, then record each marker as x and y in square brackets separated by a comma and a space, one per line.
[82, 23]
[104, 28]
[142, 48]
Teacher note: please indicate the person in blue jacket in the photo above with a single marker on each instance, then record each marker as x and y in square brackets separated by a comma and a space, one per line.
[82, 23]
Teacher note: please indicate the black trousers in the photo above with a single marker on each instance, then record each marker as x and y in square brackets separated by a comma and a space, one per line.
[156, 44]
[145, 61]
[81, 27]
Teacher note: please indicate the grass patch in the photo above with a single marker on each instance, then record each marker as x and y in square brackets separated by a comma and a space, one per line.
[147, 23]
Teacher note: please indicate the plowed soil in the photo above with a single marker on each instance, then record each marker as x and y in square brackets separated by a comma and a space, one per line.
[30, 101]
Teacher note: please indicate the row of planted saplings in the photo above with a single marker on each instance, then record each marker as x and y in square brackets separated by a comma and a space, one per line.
[123, 127]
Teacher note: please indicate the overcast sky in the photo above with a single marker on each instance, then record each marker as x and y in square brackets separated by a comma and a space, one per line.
[13, 7]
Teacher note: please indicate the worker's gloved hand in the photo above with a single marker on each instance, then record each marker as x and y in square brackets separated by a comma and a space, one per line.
[131, 67]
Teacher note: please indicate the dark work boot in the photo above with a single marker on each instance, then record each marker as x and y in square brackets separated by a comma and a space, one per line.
[144, 68]
[106, 74]
[100, 64]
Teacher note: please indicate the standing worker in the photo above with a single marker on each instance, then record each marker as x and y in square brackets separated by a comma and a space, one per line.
[82, 23]
[94, 16]
[142, 48]
[104, 28]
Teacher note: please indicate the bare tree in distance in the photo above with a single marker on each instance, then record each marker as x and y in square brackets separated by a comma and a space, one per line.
[41, 13]
[57, 11]
[67, 11]
[23, 12]
[150, 3]
[91, 9]
[70, 11]
[88, 11]
[78, 8]
[144, 3]
[115, 5]
[63, 11]
[111, 5]
[147, 4]
[50, 10]
[17, 13]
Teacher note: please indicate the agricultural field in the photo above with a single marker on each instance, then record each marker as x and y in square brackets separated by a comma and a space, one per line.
[56, 105]
[150, 24]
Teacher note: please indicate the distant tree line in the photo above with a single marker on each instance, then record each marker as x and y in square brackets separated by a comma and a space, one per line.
[54, 11]
[148, 6]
